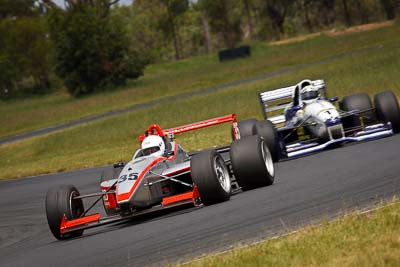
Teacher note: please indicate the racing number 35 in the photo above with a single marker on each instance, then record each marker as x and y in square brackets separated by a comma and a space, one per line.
[132, 176]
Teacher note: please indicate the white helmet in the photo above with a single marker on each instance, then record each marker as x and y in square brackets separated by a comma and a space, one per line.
[308, 92]
[153, 145]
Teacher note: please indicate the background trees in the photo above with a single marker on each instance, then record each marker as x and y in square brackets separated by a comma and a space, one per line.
[170, 22]
[92, 47]
[91, 44]
[25, 49]
[224, 18]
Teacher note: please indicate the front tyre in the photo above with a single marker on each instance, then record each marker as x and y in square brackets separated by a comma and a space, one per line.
[252, 162]
[210, 174]
[387, 109]
[59, 202]
[362, 103]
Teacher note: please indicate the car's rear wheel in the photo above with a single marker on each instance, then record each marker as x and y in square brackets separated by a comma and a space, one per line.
[252, 162]
[387, 109]
[247, 127]
[210, 174]
[60, 201]
[267, 130]
[361, 102]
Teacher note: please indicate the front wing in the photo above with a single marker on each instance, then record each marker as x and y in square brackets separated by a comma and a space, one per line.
[94, 220]
[369, 132]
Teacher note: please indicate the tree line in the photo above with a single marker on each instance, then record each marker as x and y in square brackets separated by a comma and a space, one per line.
[87, 45]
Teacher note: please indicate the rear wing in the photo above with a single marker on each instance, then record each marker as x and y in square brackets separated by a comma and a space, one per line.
[280, 98]
[155, 129]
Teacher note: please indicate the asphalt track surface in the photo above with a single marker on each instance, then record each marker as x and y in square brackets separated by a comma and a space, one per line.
[306, 190]
[174, 98]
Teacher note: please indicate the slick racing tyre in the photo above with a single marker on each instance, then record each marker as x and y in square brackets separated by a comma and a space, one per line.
[211, 175]
[387, 109]
[59, 202]
[267, 130]
[360, 101]
[252, 162]
[247, 127]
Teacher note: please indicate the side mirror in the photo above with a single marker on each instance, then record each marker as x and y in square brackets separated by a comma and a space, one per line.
[119, 165]
[171, 136]
[169, 153]
[334, 99]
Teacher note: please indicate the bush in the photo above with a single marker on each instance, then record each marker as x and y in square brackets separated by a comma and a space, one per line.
[25, 57]
[92, 50]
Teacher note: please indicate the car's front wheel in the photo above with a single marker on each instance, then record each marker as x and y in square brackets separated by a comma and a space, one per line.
[387, 109]
[60, 201]
[362, 103]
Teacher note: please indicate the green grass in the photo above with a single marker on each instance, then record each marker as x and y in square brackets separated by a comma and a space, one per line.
[357, 239]
[18, 116]
[114, 139]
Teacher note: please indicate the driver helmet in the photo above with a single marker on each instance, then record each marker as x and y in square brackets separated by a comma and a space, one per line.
[308, 92]
[153, 145]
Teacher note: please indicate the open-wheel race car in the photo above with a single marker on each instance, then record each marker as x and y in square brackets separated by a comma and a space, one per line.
[161, 175]
[311, 122]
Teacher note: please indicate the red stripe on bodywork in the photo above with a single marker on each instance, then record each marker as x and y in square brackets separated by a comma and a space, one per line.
[176, 171]
[127, 196]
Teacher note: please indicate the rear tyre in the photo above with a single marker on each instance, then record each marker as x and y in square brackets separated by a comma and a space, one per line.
[211, 175]
[252, 162]
[267, 130]
[59, 202]
[387, 109]
[360, 101]
[247, 127]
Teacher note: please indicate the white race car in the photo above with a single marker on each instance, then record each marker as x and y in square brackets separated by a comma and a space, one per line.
[312, 122]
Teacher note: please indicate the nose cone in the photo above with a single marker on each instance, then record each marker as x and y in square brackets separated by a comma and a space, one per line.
[332, 121]
[330, 117]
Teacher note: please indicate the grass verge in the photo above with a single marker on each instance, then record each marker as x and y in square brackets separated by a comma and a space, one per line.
[115, 139]
[357, 239]
[18, 116]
